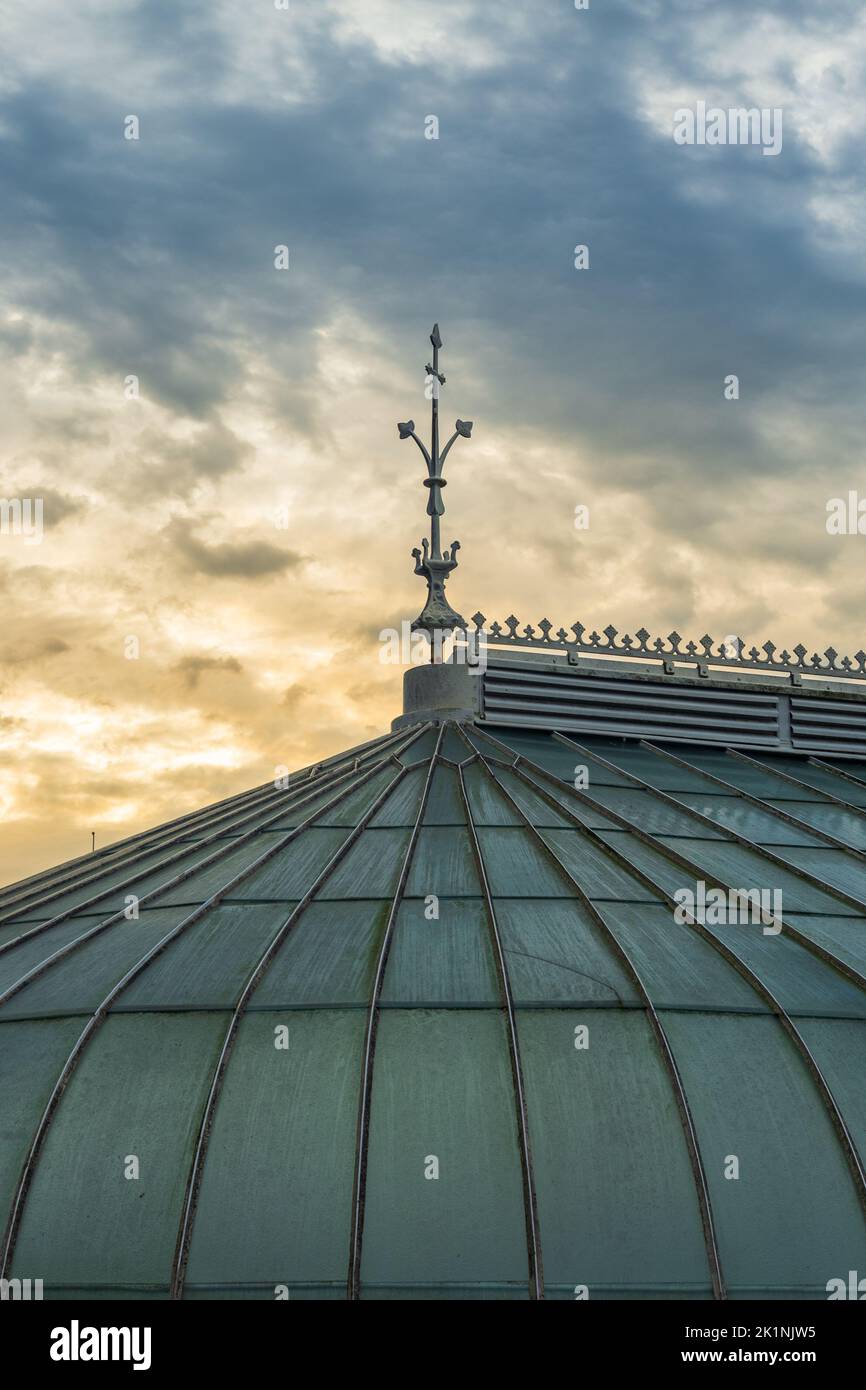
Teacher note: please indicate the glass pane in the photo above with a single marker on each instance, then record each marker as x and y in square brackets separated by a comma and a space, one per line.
[753, 1099]
[443, 1092]
[80, 981]
[535, 808]
[445, 804]
[401, 806]
[454, 747]
[558, 758]
[328, 957]
[759, 781]
[486, 802]
[207, 966]
[678, 968]
[275, 1201]
[616, 1195]
[371, 868]
[839, 1048]
[292, 870]
[441, 961]
[351, 810]
[645, 810]
[651, 767]
[823, 781]
[832, 866]
[137, 1092]
[738, 867]
[443, 863]
[556, 954]
[844, 937]
[800, 981]
[422, 749]
[745, 819]
[598, 875]
[32, 1056]
[835, 820]
[516, 866]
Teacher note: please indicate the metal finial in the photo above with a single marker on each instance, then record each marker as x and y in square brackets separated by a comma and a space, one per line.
[430, 562]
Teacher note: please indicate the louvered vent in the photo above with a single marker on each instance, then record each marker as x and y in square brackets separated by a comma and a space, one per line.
[828, 725]
[564, 699]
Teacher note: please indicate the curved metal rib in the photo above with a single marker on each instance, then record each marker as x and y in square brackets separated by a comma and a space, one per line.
[35, 1148]
[59, 888]
[181, 1256]
[668, 1060]
[731, 788]
[530, 1203]
[682, 861]
[360, 1178]
[847, 1144]
[324, 784]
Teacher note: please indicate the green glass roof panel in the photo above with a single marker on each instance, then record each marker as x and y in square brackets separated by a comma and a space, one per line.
[598, 874]
[517, 867]
[80, 981]
[158, 871]
[290, 872]
[753, 1099]
[616, 1196]
[442, 961]
[554, 756]
[732, 813]
[444, 804]
[834, 820]
[137, 1092]
[486, 801]
[443, 1090]
[760, 780]
[207, 966]
[454, 746]
[400, 807]
[739, 867]
[582, 811]
[371, 868]
[834, 866]
[839, 1047]
[351, 810]
[443, 863]
[534, 807]
[822, 781]
[32, 1056]
[646, 810]
[288, 1221]
[555, 954]
[328, 957]
[18, 960]
[802, 983]
[678, 968]
[421, 750]
[844, 937]
[649, 766]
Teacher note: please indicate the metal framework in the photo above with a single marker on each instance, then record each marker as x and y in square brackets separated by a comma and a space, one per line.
[730, 653]
[430, 562]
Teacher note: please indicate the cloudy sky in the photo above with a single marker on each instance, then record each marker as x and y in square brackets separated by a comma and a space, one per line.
[272, 395]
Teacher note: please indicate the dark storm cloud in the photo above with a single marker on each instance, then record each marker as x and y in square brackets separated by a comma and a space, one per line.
[161, 250]
[476, 227]
[193, 667]
[242, 559]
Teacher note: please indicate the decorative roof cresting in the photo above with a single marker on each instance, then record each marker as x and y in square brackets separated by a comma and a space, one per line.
[430, 562]
[731, 651]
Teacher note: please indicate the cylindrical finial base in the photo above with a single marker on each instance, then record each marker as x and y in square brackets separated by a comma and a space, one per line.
[436, 692]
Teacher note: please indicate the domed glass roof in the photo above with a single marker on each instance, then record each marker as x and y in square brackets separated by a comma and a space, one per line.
[428, 1023]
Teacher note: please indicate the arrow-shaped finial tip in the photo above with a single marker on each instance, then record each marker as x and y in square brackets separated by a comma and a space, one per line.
[436, 337]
